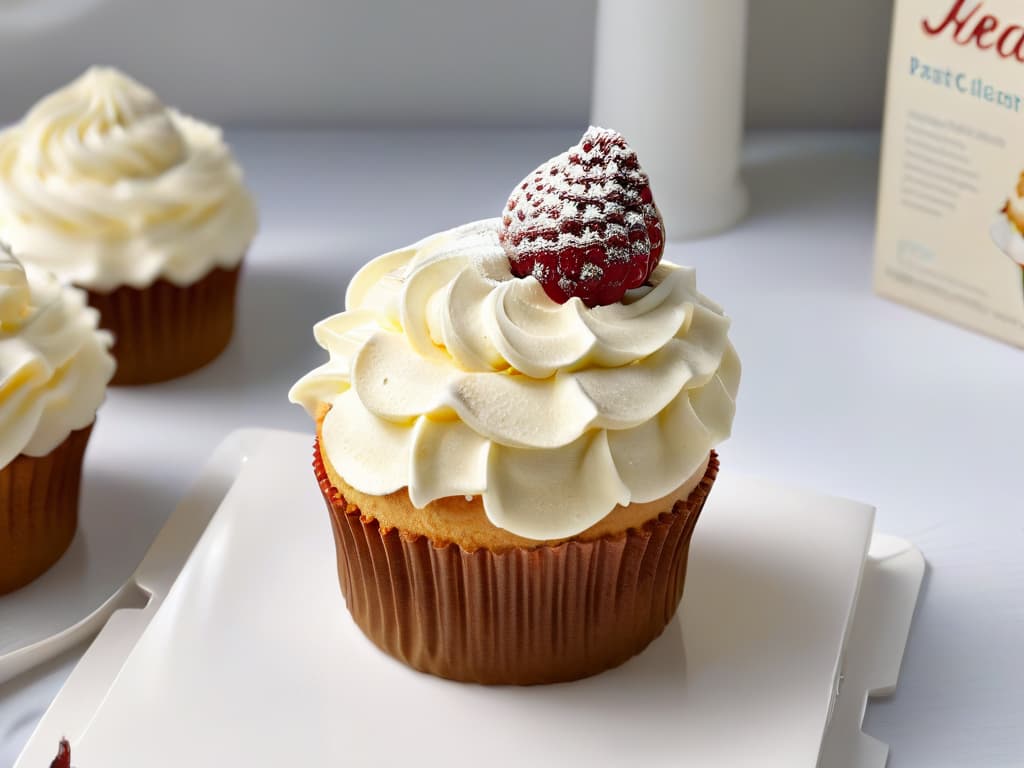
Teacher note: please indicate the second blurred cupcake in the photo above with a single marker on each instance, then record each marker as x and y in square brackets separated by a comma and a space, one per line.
[141, 206]
[54, 369]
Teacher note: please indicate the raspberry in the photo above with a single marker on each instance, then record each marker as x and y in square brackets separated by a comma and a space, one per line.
[585, 223]
[63, 758]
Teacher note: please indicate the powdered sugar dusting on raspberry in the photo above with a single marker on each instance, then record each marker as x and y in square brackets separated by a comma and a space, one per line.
[584, 223]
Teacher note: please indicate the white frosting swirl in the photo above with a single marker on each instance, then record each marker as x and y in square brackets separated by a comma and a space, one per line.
[54, 363]
[14, 292]
[103, 185]
[449, 376]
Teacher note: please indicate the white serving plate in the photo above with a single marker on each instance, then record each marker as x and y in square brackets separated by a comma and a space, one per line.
[73, 600]
[248, 657]
[68, 603]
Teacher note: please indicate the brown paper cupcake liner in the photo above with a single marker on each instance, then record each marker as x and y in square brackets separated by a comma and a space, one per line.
[165, 330]
[522, 616]
[39, 510]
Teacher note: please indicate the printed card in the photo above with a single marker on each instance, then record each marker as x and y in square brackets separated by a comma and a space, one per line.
[950, 238]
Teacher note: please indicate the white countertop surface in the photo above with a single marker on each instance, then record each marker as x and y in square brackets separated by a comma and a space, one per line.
[843, 392]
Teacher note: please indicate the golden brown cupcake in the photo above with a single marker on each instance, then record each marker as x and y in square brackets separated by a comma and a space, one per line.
[139, 205]
[516, 429]
[54, 369]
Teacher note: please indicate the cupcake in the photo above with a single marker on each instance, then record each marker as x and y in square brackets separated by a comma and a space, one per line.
[1008, 228]
[54, 369]
[515, 430]
[139, 205]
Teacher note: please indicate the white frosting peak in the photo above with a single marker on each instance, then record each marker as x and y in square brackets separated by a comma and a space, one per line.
[14, 292]
[449, 376]
[54, 363]
[104, 185]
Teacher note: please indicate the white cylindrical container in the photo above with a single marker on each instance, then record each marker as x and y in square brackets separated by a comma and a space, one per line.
[668, 75]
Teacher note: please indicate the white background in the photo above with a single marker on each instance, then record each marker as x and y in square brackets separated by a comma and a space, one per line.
[420, 62]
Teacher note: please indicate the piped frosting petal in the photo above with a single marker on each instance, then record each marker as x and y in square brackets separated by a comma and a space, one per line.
[54, 363]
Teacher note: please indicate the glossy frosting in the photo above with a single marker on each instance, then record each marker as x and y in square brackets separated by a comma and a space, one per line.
[105, 186]
[54, 363]
[449, 376]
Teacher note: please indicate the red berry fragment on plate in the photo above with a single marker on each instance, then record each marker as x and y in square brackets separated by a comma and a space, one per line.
[585, 223]
[63, 758]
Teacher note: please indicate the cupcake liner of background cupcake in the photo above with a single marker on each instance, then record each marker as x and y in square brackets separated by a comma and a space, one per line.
[523, 616]
[165, 330]
[39, 510]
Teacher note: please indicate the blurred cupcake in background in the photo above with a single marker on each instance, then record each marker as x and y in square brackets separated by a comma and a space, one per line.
[54, 370]
[139, 205]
